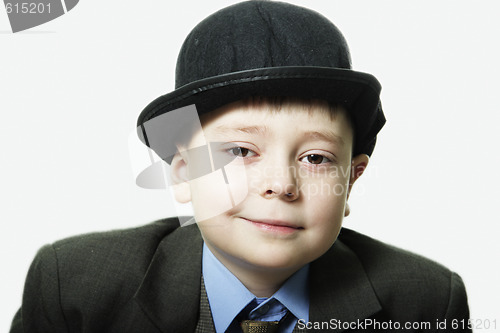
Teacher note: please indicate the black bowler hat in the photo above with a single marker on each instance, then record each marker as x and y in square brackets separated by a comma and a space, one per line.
[270, 48]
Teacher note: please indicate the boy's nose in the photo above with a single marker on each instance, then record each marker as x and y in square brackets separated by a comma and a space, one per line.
[289, 194]
[280, 183]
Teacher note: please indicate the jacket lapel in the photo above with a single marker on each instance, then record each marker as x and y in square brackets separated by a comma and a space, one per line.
[339, 288]
[170, 291]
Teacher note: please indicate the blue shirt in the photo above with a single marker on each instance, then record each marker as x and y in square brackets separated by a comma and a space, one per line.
[227, 297]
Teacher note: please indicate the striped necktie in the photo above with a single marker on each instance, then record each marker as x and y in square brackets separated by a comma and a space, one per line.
[256, 326]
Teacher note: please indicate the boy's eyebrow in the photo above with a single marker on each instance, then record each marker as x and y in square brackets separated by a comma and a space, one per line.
[259, 130]
[329, 136]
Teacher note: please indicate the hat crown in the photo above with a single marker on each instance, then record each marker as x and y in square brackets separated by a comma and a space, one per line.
[260, 34]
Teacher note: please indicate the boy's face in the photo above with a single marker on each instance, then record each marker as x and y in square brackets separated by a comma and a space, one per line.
[289, 182]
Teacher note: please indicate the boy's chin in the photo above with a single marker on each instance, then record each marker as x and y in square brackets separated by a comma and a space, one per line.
[276, 266]
[278, 262]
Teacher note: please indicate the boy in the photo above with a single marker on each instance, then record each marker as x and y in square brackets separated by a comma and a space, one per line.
[287, 128]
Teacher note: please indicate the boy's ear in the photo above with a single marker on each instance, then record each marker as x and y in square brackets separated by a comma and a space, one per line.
[358, 166]
[179, 176]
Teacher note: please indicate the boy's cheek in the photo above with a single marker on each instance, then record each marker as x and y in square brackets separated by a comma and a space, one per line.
[323, 189]
[219, 191]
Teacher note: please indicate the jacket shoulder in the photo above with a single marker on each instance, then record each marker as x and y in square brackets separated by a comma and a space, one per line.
[408, 282]
[117, 255]
[90, 277]
[146, 237]
[376, 255]
[106, 268]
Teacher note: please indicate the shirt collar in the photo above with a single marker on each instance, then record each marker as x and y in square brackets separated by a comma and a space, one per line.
[294, 294]
[227, 296]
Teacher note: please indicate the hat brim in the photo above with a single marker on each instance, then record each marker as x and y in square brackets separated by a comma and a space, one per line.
[356, 91]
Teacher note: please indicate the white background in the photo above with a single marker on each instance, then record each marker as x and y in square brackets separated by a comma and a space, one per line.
[70, 92]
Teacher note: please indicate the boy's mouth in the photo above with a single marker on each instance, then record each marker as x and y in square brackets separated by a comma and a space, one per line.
[277, 226]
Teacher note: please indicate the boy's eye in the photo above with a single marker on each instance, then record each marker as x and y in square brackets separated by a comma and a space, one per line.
[315, 159]
[240, 151]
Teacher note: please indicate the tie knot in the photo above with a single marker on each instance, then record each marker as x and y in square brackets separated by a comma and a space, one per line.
[256, 326]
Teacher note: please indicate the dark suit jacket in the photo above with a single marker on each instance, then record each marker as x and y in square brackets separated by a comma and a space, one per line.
[147, 279]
